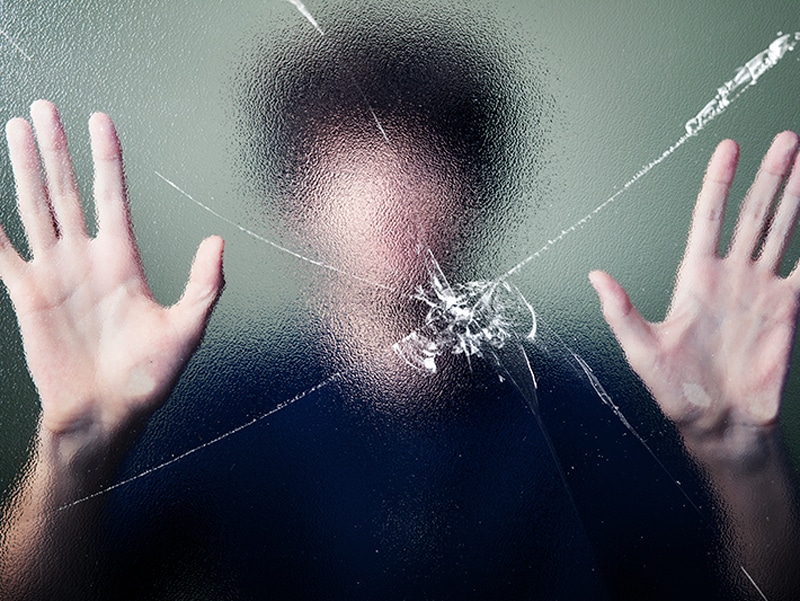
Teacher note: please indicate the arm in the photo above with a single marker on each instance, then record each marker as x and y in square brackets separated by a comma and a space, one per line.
[102, 353]
[717, 364]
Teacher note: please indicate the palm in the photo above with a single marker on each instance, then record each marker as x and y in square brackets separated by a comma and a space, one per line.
[727, 338]
[720, 356]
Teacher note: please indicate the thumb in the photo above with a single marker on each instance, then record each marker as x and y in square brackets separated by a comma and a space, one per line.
[205, 284]
[633, 333]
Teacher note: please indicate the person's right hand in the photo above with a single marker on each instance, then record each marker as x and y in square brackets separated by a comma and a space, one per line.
[102, 352]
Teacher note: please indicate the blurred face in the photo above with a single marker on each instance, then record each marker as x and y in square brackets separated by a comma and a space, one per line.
[373, 206]
[373, 150]
[386, 140]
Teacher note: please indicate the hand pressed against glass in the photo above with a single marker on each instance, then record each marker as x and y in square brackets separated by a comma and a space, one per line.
[718, 361]
[102, 353]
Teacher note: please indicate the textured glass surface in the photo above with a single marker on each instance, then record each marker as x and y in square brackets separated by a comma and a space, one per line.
[368, 163]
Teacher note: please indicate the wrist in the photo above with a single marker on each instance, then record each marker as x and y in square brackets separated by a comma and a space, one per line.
[740, 447]
[82, 458]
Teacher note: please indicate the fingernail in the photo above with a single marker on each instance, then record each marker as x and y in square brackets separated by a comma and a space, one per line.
[45, 114]
[98, 122]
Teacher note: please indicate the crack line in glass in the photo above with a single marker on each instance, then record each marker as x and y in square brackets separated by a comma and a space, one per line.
[270, 242]
[371, 110]
[753, 582]
[304, 11]
[609, 402]
[745, 78]
[215, 440]
[16, 46]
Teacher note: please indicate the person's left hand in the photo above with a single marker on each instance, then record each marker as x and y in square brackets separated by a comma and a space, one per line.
[719, 359]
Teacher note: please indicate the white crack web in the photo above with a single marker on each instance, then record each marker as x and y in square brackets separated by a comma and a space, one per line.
[484, 319]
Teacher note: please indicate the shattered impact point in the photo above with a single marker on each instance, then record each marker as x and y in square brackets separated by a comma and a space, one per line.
[465, 319]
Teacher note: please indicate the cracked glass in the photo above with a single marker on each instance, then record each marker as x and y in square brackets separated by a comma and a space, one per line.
[407, 390]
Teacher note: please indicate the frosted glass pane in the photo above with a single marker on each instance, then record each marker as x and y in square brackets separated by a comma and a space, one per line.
[407, 390]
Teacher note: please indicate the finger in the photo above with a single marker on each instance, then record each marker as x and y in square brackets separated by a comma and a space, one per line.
[61, 188]
[783, 223]
[34, 207]
[205, 283]
[111, 205]
[793, 190]
[709, 210]
[634, 334]
[756, 205]
[10, 261]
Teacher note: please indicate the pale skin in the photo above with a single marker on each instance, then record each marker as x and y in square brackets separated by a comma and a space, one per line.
[104, 355]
